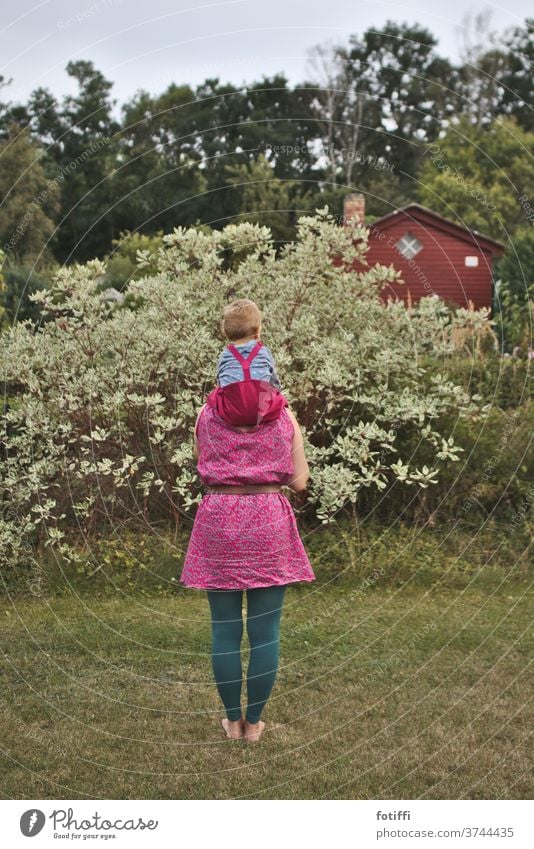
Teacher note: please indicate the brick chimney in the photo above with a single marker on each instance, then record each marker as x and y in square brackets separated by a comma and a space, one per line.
[354, 208]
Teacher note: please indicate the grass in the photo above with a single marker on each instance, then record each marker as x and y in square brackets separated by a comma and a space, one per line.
[395, 692]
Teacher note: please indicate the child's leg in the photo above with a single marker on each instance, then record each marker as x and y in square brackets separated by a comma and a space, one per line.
[264, 609]
[227, 631]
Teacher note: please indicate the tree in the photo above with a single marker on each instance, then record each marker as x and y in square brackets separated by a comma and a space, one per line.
[79, 136]
[88, 158]
[515, 290]
[378, 100]
[516, 76]
[46, 124]
[5, 116]
[327, 62]
[479, 90]
[265, 199]
[480, 176]
[408, 90]
[158, 182]
[231, 126]
[29, 200]
[495, 80]
[3, 315]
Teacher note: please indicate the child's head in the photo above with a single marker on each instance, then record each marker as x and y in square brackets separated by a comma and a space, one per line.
[241, 319]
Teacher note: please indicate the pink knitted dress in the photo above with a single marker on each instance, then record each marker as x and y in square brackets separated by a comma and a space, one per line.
[244, 541]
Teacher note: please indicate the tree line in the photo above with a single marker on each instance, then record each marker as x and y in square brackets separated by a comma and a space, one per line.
[381, 113]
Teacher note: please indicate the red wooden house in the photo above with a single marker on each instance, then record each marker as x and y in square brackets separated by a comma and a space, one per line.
[434, 255]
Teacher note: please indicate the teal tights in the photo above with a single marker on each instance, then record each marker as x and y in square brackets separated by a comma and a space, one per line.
[264, 609]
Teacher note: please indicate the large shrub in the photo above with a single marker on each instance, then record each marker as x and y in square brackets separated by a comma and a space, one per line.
[106, 394]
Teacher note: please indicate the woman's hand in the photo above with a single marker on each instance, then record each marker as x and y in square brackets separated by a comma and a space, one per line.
[196, 450]
[301, 471]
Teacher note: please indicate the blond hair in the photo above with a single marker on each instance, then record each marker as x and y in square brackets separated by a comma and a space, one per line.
[240, 319]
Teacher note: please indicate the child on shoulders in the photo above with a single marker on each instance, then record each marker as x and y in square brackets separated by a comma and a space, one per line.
[248, 388]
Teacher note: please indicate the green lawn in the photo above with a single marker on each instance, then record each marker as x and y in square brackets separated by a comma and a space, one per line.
[421, 692]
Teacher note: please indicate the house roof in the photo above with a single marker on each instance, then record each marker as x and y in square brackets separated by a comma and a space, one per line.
[424, 215]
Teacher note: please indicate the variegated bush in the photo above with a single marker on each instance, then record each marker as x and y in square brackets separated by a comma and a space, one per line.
[103, 395]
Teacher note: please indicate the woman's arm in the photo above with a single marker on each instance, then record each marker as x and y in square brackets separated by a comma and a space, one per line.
[196, 451]
[301, 471]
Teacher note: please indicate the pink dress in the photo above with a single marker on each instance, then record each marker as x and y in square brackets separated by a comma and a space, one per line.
[244, 541]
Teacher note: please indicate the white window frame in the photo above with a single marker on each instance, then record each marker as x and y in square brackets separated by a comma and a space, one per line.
[411, 245]
[471, 261]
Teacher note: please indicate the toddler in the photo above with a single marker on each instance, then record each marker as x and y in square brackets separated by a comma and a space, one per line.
[241, 325]
[248, 388]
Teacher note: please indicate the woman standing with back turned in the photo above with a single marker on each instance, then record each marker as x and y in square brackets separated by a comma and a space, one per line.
[245, 539]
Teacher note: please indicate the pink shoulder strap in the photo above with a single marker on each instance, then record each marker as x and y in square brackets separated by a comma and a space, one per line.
[245, 363]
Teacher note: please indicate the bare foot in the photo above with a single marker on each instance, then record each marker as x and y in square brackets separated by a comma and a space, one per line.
[233, 729]
[252, 731]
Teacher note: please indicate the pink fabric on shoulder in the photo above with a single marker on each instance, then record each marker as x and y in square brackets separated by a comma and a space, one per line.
[244, 541]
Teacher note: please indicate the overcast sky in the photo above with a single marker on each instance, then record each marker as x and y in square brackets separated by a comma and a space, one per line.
[152, 44]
